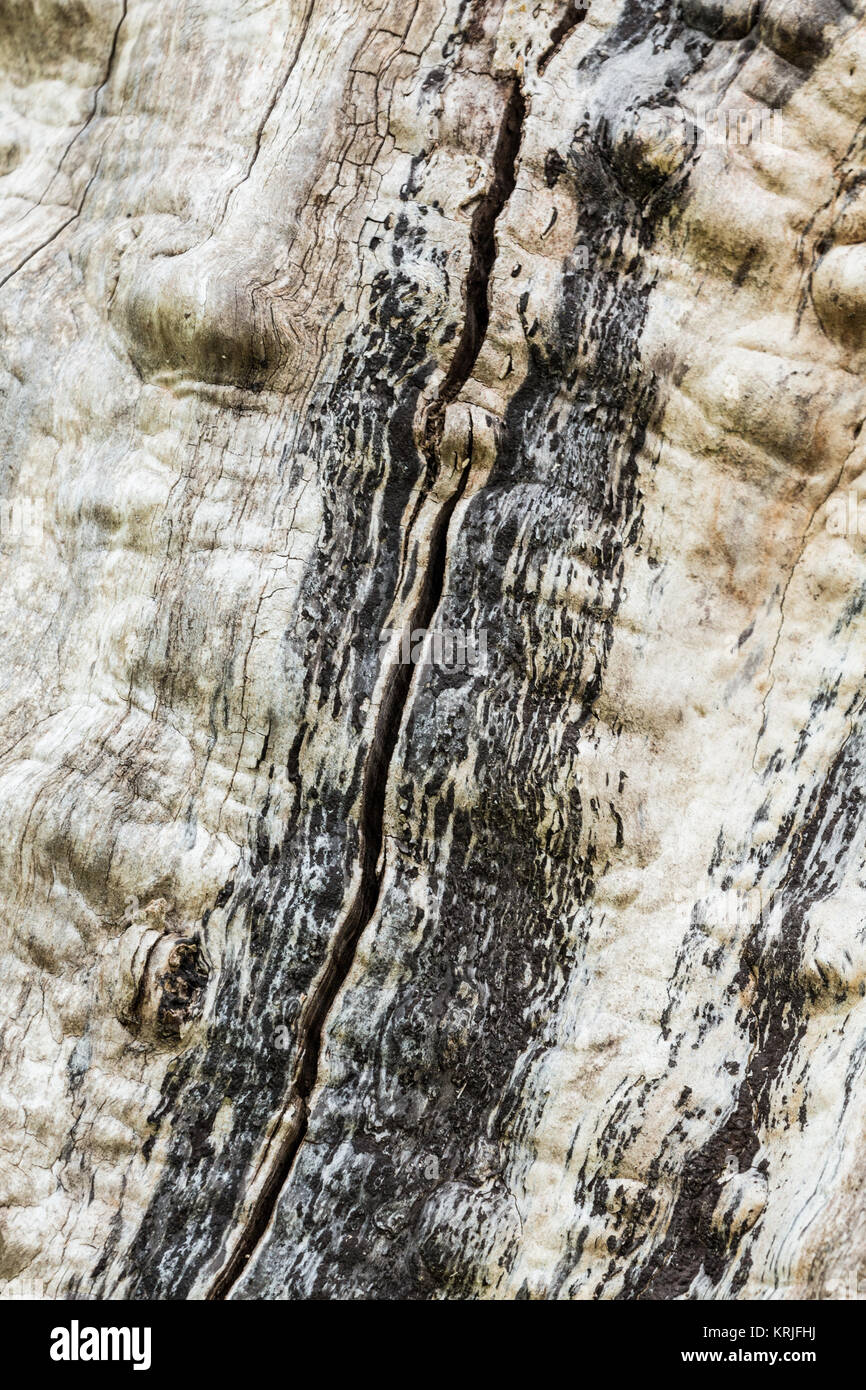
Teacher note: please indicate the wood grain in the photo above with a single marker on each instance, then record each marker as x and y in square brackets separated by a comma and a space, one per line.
[535, 970]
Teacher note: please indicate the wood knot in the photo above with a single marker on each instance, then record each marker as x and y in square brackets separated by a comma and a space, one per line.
[162, 978]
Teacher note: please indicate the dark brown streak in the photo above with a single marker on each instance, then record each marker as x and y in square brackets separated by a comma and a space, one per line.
[574, 15]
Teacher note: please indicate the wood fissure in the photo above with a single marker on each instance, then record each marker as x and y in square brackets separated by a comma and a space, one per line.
[392, 709]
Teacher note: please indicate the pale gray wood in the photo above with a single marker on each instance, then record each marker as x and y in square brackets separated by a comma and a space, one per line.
[536, 974]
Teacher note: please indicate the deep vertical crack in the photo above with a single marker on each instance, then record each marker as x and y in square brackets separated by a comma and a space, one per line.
[482, 242]
[392, 708]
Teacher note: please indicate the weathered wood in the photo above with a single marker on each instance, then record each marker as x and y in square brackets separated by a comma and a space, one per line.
[534, 967]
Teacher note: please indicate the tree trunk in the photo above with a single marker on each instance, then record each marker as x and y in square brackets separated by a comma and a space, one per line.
[433, 715]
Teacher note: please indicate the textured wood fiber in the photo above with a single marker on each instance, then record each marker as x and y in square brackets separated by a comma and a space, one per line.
[328, 975]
